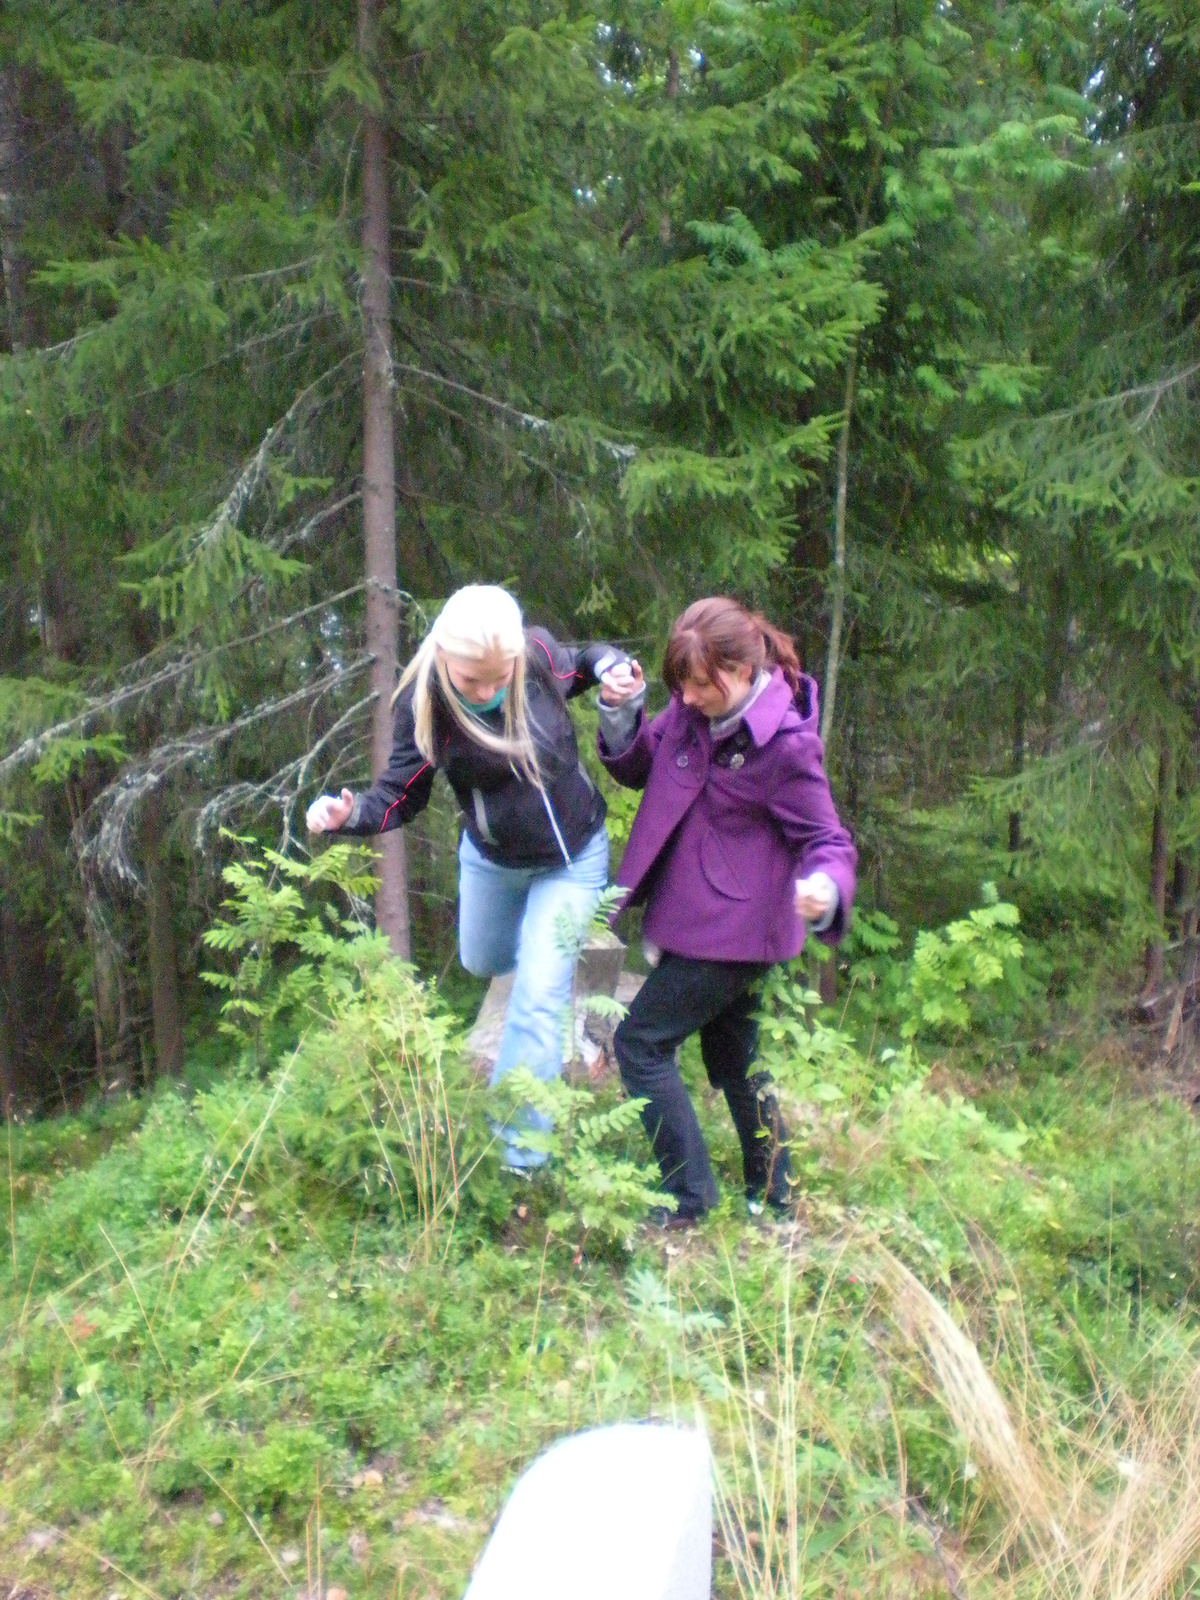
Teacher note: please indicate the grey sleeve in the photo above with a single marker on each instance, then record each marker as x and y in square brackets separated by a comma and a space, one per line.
[619, 724]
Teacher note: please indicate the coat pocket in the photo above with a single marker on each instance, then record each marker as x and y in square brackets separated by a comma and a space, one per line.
[718, 868]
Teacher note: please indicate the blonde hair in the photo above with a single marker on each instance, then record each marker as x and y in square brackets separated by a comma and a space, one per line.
[477, 623]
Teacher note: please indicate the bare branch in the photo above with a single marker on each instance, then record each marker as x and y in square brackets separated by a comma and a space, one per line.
[271, 273]
[304, 532]
[1152, 391]
[104, 705]
[535, 462]
[283, 788]
[619, 452]
[255, 470]
[116, 804]
[937, 1536]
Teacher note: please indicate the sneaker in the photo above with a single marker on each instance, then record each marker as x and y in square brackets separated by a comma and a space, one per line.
[673, 1221]
[764, 1205]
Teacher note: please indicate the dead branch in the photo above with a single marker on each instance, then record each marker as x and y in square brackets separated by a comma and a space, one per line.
[282, 789]
[304, 532]
[542, 425]
[253, 473]
[104, 705]
[115, 806]
[936, 1536]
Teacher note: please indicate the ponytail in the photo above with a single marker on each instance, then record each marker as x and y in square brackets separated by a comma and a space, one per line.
[780, 649]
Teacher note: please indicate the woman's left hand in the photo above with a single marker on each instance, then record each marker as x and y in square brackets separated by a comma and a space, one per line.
[621, 683]
[816, 896]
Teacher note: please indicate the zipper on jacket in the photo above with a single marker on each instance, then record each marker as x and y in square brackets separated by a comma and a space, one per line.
[554, 824]
[485, 833]
[481, 821]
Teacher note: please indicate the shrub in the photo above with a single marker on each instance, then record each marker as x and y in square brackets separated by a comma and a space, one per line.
[375, 1096]
[599, 1189]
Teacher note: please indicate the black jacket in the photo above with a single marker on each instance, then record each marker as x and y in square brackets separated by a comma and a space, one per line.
[508, 819]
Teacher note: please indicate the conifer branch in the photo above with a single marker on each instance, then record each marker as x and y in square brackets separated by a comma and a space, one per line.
[1152, 391]
[243, 347]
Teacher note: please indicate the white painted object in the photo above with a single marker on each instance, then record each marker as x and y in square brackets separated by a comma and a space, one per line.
[620, 1513]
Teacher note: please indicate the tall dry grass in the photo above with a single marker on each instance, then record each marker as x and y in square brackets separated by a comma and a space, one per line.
[1105, 1511]
[809, 1396]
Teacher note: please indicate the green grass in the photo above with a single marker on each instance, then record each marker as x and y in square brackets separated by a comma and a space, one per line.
[203, 1384]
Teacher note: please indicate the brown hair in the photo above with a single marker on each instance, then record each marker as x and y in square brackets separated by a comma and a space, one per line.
[719, 635]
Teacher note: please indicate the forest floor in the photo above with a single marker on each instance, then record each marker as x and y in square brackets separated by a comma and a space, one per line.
[274, 1386]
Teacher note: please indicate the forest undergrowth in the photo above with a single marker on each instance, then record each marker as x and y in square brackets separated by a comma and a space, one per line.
[293, 1332]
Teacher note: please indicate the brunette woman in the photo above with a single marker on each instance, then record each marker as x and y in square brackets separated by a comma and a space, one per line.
[735, 851]
[482, 699]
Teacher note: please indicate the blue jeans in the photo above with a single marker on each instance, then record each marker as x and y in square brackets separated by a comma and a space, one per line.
[510, 917]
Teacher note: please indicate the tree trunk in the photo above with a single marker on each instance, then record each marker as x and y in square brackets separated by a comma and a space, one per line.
[852, 747]
[1184, 893]
[827, 981]
[1190, 913]
[379, 492]
[833, 659]
[165, 1003]
[1057, 652]
[1182, 888]
[106, 972]
[10, 220]
[426, 570]
[1018, 763]
[8, 1022]
[1155, 946]
[108, 1007]
[8, 1065]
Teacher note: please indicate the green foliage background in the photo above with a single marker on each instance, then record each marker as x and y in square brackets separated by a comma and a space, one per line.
[882, 317]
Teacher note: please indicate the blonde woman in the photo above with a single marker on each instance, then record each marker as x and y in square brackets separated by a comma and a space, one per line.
[483, 700]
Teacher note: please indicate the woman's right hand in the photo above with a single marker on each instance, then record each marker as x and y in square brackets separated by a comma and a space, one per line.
[330, 812]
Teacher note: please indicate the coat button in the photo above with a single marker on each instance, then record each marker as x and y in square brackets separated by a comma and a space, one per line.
[737, 760]
[681, 759]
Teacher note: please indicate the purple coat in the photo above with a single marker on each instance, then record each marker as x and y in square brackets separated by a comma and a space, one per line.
[717, 844]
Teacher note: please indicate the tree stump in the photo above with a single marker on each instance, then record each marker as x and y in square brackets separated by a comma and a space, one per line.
[600, 972]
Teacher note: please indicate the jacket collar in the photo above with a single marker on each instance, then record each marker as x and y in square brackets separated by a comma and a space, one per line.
[765, 717]
[721, 727]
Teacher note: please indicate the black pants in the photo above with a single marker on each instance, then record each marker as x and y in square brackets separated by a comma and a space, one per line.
[720, 999]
